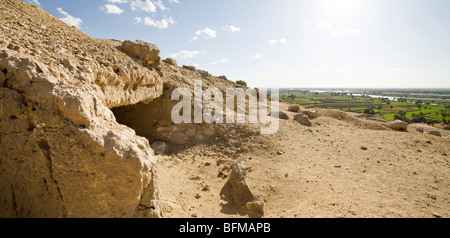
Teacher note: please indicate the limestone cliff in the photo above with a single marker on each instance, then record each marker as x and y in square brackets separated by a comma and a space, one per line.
[72, 113]
[62, 153]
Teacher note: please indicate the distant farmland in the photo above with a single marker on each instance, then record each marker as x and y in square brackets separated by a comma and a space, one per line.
[430, 109]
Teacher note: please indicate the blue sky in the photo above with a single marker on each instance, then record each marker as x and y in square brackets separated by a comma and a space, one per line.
[283, 43]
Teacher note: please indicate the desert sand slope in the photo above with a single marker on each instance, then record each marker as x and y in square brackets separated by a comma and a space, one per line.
[332, 169]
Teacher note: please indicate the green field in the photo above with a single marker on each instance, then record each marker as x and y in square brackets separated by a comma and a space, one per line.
[409, 111]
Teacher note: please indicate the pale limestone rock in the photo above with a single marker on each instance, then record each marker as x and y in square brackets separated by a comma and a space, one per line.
[190, 67]
[170, 61]
[62, 152]
[399, 125]
[240, 82]
[236, 189]
[147, 52]
[435, 133]
[310, 113]
[294, 108]
[281, 115]
[303, 119]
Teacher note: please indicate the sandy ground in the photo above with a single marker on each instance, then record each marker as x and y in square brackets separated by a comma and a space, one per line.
[322, 171]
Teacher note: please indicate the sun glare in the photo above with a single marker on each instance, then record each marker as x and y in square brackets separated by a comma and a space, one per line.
[338, 9]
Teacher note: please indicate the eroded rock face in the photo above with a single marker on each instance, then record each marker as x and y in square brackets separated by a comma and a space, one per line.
[62, 152]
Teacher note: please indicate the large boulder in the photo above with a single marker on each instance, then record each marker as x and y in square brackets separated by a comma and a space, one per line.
[147, 52]
[294, 108]
[303, 119]
[281, 115]
[171, 61]
[236, 189]
[399, 125]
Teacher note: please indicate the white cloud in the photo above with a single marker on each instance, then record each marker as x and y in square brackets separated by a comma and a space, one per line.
[111, 9]
[35, 2]
[325, 26]
[206, 34]
[68, 19]
[257, 56]
[185, 54]
[161, 6]
[282, 41]
[219, 61]
[174, 1]
[231, 28]
[147, 6]
[162, 24]
[444, 68]
[117, 1]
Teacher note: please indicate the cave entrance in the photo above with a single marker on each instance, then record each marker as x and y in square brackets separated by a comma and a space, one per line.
[146, 118]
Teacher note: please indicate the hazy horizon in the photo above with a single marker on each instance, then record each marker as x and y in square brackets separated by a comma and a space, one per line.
[301, 43]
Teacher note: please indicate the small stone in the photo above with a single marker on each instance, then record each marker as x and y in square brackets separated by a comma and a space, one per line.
[198, 195]
[159, 147]
[434, 133]
[363, 148]
[194, 215]
[195, 178]
[437, 215]
[280, 153]
[256, 206]
[338, 166]
[433, 197]
[206, 187]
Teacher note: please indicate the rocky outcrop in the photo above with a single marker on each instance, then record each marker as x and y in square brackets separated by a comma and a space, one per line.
[190, 67]
[240, 82]
[62, 152]
[77, 116]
